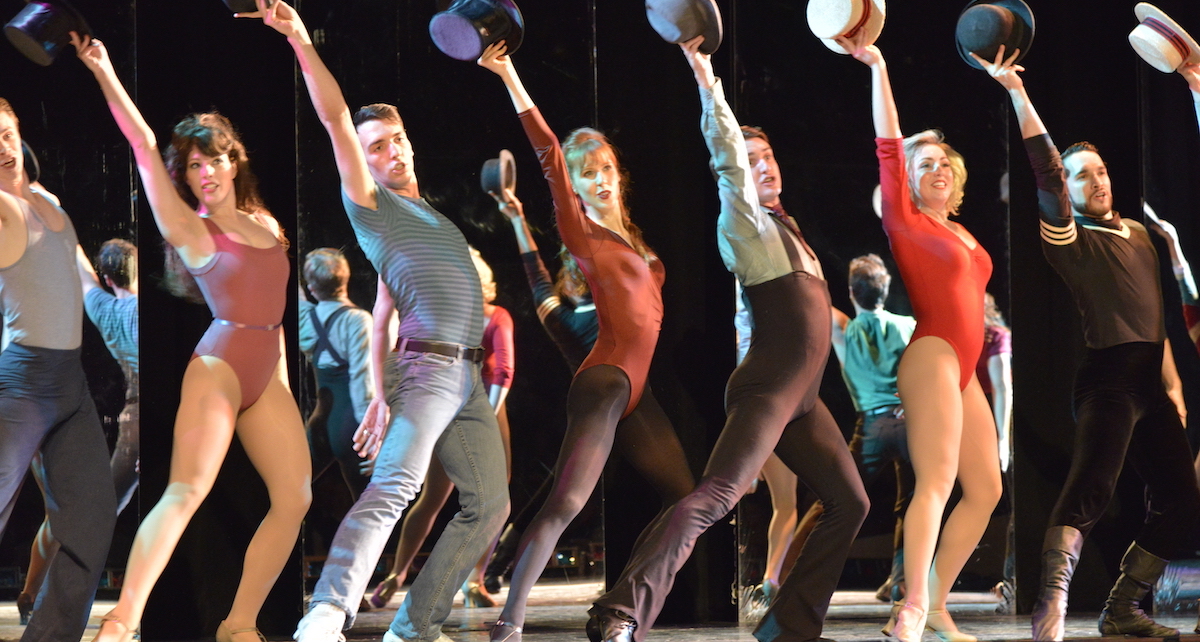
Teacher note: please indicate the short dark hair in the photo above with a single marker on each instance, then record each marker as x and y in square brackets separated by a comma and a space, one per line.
[750, 131]
[377, 111]
[327, 272]
[869, 281]
[1081, 146]
[117, 260]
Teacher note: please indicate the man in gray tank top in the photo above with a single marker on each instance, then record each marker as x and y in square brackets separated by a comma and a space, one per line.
[45, 405]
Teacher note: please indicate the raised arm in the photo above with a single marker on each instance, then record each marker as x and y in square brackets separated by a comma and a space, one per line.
[514, 211]
[177, 222]
[838, 332]
[327, 100]
[87, 274]
[1006, 73]
[740, 216]
[883, 105]
[495, 60]
[1192, 74]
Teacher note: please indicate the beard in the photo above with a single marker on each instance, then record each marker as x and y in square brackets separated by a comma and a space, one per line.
[1090, 210]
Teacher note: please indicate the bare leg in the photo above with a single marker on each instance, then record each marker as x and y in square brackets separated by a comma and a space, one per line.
[204, 428]
[595, 402]
[781, 482]
[272, 433]
[44, 546]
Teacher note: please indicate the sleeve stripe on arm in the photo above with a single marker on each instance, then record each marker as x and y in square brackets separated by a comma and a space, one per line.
[1055, 235]
[548, 306]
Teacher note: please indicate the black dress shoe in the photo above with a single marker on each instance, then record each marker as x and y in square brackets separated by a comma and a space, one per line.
[610, 625]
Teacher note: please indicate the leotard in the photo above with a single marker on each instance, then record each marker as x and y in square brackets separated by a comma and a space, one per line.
[626, 288]
[946, 280]
[246, 291]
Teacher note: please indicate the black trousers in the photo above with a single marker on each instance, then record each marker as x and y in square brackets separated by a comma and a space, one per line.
[1122, 414]
[772, 405]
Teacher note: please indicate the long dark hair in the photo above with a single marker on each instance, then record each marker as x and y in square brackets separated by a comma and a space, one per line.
[212, 135]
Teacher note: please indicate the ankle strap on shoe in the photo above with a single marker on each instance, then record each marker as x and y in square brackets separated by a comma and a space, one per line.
[510, 625]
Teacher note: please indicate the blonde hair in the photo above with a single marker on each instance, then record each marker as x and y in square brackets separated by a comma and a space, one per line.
[584, 144]
[958, 167]
[486, 278]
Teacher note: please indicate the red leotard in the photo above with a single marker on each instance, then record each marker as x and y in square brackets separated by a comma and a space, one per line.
[245, 285]
[626, 289]
[946, 279]
[499, 354]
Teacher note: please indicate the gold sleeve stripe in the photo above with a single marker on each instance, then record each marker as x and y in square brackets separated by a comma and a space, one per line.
[547, 307]
[1055, 235]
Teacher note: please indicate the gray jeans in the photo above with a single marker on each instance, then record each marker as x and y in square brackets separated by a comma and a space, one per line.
[438, 406]
[45, 405]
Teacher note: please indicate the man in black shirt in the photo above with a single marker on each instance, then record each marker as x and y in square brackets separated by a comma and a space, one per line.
[1121, 408]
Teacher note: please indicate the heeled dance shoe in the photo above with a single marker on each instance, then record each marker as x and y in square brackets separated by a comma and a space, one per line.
[910, 623]
[385, 590]
[225, 634]
[942, 625]
[891, 623]
[25, 607]
[475, 596]
[124, 632]
[499, 633]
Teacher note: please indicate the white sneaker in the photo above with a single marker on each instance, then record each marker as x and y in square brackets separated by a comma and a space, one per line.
[322, 623]
[392, 637]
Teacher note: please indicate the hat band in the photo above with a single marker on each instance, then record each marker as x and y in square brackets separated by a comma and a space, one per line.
[866, 14]
[1169, 34]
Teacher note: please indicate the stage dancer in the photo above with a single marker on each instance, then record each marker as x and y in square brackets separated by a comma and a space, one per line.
[206, 205]
[497, 371]
[951, 433]
[994, 371]
[1122, 412]
[46, 410]
[771, 399]
[115, 315]
[439, 404]
[335, 335]
[609, 398]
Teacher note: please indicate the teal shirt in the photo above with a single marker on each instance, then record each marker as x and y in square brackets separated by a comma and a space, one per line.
[875, 340]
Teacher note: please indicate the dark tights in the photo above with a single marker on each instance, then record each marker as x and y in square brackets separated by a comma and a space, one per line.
[595, 402]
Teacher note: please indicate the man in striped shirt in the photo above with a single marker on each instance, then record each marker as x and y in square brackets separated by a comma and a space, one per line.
[436, 398]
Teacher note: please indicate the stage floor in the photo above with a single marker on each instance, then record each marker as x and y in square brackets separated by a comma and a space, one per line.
[557, 614]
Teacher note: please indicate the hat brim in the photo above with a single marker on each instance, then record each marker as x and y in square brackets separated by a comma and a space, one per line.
[41, 41]
[874, 27]
[499, 174]
[1024, 39]
[1145, 10]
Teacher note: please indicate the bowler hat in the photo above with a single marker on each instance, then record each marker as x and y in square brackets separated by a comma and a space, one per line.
[829, 19]
[984, 25]
[43, 28]
[681, 20]
[1160, 41]
[33, 169]
[499, 174]
[467, 28]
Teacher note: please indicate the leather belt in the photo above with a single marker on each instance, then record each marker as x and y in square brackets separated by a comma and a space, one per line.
[245, 326]
[458, 351]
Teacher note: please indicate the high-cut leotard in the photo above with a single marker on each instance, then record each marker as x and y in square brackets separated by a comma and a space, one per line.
[626, 288]
[246, 291]
[946, 279]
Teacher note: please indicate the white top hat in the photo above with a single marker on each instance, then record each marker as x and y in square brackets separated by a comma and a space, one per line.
[829, 19]
[1160, 41]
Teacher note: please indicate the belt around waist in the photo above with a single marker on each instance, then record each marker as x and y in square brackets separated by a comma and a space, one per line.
[456, 350]
[875, 412]
[246, 326]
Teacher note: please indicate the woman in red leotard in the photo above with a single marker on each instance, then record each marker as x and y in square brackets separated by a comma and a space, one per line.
[951, 433]
[206, 204]
[608, 399]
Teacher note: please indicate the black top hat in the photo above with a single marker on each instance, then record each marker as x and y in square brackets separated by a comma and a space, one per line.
[499, 174]
[681, 20]
[984, 25]
[465, 29]
[33, 169]
[43, 28]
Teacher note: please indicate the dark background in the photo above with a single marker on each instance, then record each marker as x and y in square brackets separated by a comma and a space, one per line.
[599, 64]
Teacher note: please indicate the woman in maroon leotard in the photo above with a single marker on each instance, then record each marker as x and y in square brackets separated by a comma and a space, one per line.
[951, 433]
[608, 398]
[206, 206]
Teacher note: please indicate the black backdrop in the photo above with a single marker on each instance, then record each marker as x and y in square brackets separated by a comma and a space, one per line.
[593, 63]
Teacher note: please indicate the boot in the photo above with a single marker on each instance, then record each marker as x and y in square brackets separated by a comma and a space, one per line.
[1122, 614]
[502, 558]
[1060, 553]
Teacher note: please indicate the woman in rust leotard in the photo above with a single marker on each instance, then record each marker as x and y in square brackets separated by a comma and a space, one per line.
[951, 433]
[608, 398]
[206, 204]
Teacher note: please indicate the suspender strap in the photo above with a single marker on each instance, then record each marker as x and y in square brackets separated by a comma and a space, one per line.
[323, 342]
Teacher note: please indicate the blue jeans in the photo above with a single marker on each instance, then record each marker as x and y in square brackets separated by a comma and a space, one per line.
[438, 405]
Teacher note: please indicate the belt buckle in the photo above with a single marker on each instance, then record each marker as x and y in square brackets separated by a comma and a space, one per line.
[460, 352]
